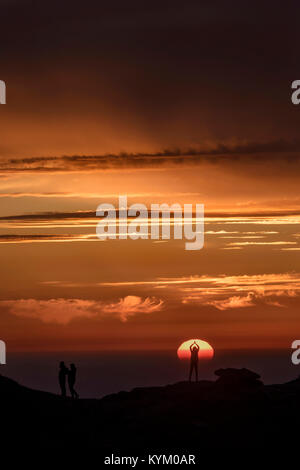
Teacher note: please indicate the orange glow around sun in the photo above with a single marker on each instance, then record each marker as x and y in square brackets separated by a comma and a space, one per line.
[205, 351]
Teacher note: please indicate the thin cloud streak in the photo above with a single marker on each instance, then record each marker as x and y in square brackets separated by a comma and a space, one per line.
[86, 195]
[5, 239]
[255, 152]
[261, 243]
[219, 281]
[264, 217]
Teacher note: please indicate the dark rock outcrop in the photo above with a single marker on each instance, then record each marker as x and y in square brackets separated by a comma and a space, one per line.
[235, 412]
[238, 378]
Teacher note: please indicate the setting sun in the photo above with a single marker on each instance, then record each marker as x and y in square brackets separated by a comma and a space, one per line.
[205, 351]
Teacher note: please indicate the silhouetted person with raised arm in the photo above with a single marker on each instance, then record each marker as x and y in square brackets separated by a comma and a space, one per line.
[63, 372]
[194, 348]
[72, 380]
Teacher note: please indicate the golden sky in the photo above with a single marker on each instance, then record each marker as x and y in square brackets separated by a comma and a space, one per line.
[64, 288]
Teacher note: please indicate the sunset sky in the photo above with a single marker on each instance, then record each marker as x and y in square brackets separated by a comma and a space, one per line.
[163, 102]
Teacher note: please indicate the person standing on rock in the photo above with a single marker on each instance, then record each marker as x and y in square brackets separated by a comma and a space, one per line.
[62, 375]
[72, 380]
[194, 348]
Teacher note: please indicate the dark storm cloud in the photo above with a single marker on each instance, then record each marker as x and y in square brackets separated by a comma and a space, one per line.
[106, 27]
[173, 68]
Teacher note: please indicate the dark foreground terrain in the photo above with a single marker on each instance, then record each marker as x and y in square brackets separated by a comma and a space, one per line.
[235, 411]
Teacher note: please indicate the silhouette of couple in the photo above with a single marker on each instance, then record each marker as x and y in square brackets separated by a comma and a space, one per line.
[64, 372]
[194, 348]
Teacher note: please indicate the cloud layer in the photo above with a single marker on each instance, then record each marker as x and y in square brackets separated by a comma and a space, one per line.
[225, 292]
[63, 311]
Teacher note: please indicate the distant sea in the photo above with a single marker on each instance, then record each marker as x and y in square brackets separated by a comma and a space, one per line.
[99, 374]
